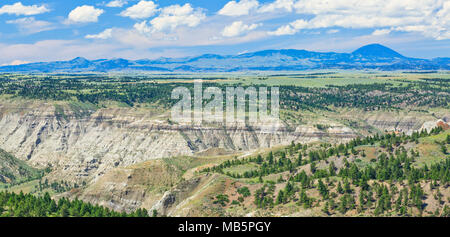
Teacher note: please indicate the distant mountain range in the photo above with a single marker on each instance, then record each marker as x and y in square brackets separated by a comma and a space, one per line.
[373, 56]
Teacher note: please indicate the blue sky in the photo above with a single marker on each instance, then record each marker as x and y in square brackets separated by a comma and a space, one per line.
[47, 30]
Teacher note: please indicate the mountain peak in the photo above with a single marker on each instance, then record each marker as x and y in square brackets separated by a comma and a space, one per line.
[377, 50]
[79, 60]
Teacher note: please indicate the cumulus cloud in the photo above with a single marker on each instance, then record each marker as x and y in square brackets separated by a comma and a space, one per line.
[170, 18]
[332, 31]
[84, 14]
[176, 15]
[437, 27]
[19, 9]
[117, 3]
[283, 30]
[106, 34]
[286, 5]
[237, 28]
[240, 8]
[290, 29]
[143, 9]
[143, 27]
[429, 17]
[29, 25]
[381, 32]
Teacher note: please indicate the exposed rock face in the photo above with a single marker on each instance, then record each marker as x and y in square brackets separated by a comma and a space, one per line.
[126, 189]
[401, 121]
[101, 145]
[84, 148]
[171, 198]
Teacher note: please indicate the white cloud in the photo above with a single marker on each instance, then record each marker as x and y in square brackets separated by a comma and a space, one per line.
[286, 5]
[143, 9]
[357, 7]
[116, 3]
[143, 27]
[428, 17]
[237, 28]
[300, 24]
[381, 32]
[84, 14]
[170, 18]
[19, 9]
[106, 34]
[144, 36]
[417, 16]
[290, 29]
[240, 8]
[332, 31]
[29, 25]
[283, 30]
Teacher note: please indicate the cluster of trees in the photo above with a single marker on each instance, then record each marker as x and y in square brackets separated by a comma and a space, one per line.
[93, 89]
[377, 198]
[264, 196]
[131, 90]
[27, 205]
[223, 199]
[58, 187]
[376, 181]
[272, 165]
[397, 167]
[367, 96]
[284, 195]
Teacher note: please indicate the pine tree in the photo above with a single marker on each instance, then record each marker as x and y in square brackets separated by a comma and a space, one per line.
[64, 211]
[313, 167]
[323, 190]
[280, 197]
[299, 159]
[347, 188]
[444, 149]
[361, 199]
[259, 159]
[339, 188]
[332, 169]
[325, 208]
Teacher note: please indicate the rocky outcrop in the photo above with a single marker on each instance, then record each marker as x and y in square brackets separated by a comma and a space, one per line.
[84, 148]
[116, 150]
[129, 188]
[401, 121]
[173, 197]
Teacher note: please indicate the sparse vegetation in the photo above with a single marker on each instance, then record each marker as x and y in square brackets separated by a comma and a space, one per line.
[393, 184]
